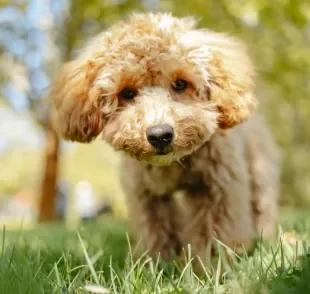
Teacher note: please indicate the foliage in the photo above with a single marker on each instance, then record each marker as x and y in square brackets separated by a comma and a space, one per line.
[17, 170]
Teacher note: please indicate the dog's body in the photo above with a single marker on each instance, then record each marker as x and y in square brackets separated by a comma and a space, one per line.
[176, 100]
[228, 189]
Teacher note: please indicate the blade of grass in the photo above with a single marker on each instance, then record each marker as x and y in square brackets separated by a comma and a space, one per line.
[3, 243]
[58, 280]
[89, 261]
[217, 276]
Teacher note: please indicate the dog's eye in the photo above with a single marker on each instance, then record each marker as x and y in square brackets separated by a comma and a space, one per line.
[128, 94]
[179, 85]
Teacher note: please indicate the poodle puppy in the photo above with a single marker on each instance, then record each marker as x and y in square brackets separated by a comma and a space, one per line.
[179, 101]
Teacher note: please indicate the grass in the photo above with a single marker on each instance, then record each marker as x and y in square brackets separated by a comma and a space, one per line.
[55, 259]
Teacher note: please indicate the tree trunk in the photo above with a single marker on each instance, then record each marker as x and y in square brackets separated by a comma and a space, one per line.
[47, 208]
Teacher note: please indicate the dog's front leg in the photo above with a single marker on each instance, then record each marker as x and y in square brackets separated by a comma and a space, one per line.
[154, 224]
[209, 218]
[198, 227]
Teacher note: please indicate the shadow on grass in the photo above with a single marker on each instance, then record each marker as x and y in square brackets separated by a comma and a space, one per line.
[294, 281]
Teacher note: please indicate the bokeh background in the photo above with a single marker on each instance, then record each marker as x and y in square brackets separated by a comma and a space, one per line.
[36, 36]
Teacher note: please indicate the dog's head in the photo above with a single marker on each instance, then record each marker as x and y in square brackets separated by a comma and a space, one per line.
[156, 87]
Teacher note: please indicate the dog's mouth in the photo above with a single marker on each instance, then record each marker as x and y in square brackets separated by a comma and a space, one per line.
[159, 160]
[163, 151]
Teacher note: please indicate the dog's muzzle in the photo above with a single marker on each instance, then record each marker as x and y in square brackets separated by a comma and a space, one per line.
[160, 137]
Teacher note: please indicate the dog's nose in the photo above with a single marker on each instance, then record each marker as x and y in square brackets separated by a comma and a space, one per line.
[160, 136]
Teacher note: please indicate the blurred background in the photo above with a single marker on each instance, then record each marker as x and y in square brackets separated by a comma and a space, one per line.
[36, 36]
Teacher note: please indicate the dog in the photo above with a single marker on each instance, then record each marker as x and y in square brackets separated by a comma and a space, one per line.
[199, 165]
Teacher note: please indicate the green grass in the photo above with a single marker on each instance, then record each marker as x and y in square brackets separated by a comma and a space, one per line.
[54, 259]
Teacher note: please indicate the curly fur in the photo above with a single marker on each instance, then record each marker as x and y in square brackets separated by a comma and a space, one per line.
[220, 178]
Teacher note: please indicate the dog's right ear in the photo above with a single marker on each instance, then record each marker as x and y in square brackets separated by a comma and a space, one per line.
[77, 101]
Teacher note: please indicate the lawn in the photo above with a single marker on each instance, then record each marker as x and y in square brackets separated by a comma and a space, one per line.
[55, 259]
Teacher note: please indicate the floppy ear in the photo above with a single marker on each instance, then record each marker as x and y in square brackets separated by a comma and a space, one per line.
[75, 97]
[77, 102]
[231, 79]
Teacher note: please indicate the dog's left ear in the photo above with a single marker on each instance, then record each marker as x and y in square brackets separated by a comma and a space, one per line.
[77, 101]
[230, 78]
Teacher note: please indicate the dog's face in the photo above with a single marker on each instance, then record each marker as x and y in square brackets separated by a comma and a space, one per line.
[155, 87]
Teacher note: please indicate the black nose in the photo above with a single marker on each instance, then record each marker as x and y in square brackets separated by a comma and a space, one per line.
[160, 136]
